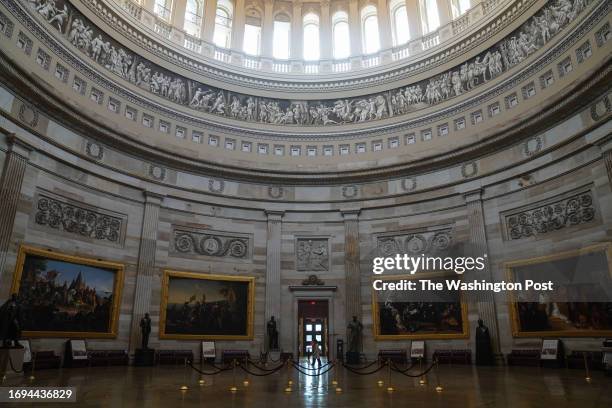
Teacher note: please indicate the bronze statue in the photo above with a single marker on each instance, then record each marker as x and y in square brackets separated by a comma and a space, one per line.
[272, 334]
[484, 352]
[355, 329]
[145, 330]
[10, 322]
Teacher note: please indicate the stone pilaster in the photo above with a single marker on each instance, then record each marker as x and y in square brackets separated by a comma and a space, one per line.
[351, 264]
[273, 269]
[238, 23]
[146, 265]
[267, 31]
[326, 31]
[355, 28]
[607, 156]
[210, 12]
[485, 301]
[15, 164]
[444, 12]
[297, 31]
[414, 20]
[384, 25]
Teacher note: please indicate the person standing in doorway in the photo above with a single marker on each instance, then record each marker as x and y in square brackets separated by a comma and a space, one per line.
[316, 353]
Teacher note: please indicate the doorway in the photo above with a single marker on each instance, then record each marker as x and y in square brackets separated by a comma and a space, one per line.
[313, 318]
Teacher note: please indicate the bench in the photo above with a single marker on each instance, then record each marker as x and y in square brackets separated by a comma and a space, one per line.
[174, 356]
[522, 357]
[462, 356]
[108, 357]
[227, 356]
[397, 355]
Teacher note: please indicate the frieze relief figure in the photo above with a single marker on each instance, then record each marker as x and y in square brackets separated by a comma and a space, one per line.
[512, 50]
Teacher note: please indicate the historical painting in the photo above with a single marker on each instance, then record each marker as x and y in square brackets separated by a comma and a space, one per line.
[67, 296]
[404, 314]
[579, 306]
[206, 307]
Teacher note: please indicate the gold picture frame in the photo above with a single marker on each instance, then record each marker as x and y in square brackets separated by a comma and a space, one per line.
[517, 331]
[47, 254]
[376, 328]
[163, 317]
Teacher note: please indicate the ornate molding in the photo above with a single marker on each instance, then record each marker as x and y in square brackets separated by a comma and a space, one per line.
[490, 63]
[417, 242]
[312, 254]
[313, 280]
[63, 214]
[210, 243]
[553, 215]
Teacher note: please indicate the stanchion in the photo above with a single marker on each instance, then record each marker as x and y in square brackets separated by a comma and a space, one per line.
[233, 388]
[380, 382]
[184, 387]
[423, 379]
[246, 374]
[438, 386]
[288, 388]
[32, 377]
[335, 379]
[389, 385]
[586, 368]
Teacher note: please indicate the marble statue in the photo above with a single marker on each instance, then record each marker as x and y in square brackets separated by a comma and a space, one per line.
[355, 332]
[484, 352]
[10, 322]
[145, 331]
[272, 334]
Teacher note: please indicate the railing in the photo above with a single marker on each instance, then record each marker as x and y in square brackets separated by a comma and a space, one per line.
[411, 49]
[341, 66]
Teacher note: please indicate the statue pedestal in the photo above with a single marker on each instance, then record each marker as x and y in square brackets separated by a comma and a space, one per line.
[16, 360]
[144, 357]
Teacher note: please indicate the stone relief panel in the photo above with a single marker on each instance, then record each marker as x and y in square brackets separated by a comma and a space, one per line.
[210, 243]
[553, 215]
[415, 243]
[312, 254]
[512, 50]
[62, 214]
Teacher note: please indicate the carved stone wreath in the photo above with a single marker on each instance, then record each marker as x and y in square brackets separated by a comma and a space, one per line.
[210, 245]
[313, 280]
[420, 243]
[216, 185]
[577, 209]
[71, 218]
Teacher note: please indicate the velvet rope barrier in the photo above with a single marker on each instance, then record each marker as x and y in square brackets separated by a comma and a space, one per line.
[362, 367]
[354, 371]
[264, 368]
[310, 368]
[312, 375]
[265, 374]
[403, 372]
[219, 371]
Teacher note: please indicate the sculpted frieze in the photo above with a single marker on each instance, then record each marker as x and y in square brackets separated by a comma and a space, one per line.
[210, 243]
[512, 50]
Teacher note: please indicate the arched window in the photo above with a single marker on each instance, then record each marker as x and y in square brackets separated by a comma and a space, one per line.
[193, 17]
[281, 37]
[311, 37]
[399, 22]
[342, 39]
[223, 24]
[252, 33]
[459, 7]
[163, 8]
[430, 18]
[369, 23]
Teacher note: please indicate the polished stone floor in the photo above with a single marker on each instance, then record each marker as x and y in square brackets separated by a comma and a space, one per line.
[463, 386]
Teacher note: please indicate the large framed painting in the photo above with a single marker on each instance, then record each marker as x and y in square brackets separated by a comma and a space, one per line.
[206, 307]
[67, 296]
[401, 315]
[580, 304]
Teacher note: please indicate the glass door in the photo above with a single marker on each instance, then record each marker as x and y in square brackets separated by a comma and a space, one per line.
[313, 329]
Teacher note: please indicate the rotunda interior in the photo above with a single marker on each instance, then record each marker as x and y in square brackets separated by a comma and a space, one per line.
[204, 200]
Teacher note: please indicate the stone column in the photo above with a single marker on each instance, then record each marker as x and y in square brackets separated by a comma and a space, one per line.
[479, 247]
[149, 5]
[178, 14]
[355, 28]
[325, 37]
[15, 164]
[273, 269]
[607, 156]
[384, 25]
[351, 264]
[444, 12]
[267, 31]
[414, 19]
[146, 265]
[238, 22]
[210, 12]
[297, 41]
